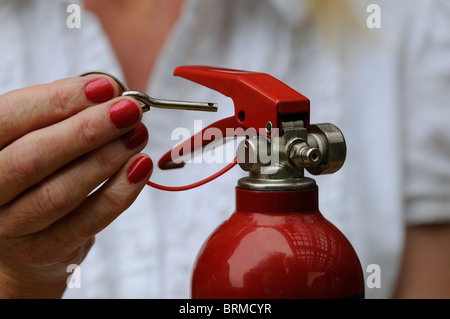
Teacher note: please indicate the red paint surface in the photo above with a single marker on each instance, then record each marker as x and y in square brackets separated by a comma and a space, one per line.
[277, 245]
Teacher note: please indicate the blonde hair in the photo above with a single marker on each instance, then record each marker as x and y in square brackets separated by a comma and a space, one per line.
[336, 19]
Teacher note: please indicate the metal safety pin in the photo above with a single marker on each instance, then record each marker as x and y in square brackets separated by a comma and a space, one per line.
[170, 104]
[148, 101]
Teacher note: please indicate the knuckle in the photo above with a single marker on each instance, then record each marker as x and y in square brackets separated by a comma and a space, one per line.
[6, 232]
[59, 97]
[89, 131]
[24, 161]
[77, 230]
[52, 198]
[109, 160]
[73, 256]
[106, 158]
[6, 121]
[114, 202]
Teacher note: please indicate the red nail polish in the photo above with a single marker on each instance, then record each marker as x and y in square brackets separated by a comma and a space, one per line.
[136, 137]
[139, 169]
[124, 113]
[99, 90]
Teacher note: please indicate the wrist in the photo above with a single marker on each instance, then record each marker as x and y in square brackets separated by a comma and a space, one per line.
[26, 289]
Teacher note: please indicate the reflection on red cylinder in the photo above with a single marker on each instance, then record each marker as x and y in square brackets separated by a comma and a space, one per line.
[277, 245]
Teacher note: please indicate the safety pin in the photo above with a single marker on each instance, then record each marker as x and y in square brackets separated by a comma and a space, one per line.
[148, 101]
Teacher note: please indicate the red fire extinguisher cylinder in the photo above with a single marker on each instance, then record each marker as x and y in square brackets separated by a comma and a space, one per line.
[277, 244]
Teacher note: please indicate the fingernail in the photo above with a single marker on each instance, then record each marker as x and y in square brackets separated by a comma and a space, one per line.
[136, 137]
[139, 169]
[124, 113]
[99, 90]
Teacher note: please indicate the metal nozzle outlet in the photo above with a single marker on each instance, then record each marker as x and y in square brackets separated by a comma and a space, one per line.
[302, 155]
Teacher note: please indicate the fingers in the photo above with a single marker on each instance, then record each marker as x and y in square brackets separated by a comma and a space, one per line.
[29, 109]
[35, 156]
[59, 142]
[103, 206]
[60, 193]
[43, 256]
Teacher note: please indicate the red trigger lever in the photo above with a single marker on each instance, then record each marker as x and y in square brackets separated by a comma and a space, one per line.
[260, 101]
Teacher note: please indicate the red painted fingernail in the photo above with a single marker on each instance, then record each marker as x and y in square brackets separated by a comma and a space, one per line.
[124, 113]
[136, 137]
[139, 169]
[99, 90]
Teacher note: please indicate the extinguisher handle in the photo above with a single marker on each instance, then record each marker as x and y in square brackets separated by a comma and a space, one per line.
[172, 159]
[259, 99]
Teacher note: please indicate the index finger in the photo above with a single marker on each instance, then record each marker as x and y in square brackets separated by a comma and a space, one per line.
[28, 109]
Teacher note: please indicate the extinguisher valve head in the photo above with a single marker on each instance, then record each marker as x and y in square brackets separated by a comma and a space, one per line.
[331, 143]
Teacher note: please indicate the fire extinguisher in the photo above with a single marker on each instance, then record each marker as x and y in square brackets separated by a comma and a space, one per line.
[276, 244]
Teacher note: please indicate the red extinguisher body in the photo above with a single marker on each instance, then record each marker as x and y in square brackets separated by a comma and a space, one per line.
[277, 244]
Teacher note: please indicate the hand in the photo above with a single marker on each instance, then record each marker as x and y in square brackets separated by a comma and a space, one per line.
[58, 143]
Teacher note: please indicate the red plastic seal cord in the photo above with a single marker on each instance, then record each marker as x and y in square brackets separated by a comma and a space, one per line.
[194, 185]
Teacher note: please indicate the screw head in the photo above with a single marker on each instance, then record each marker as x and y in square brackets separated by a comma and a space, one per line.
[269, 127]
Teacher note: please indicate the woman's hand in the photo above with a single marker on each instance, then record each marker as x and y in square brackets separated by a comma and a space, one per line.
[58, 143]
